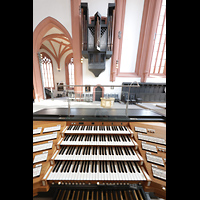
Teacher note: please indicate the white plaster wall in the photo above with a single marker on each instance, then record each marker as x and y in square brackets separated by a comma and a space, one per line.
[131, 34]
[98, 5]
[135, 6]
[104, 78]
[57, 9]
[156, 79]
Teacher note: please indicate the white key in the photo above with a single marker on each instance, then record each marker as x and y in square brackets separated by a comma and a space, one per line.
[59, 174]
[137, 174]
[117, 175]
[141, 173]
[77, 173]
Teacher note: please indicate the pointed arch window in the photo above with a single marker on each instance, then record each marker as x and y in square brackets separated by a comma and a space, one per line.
[158, 61]
[47, 72]
[71, 72]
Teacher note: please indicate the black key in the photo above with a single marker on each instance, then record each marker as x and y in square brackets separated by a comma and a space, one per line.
[124, 139]
[132, 166]
[99, 150]
[88, 166]
[137, 167]
[82, 166]
[125, 128]
[83, 136]
[102, 150]
[100, 166]
[62, 150]
[58, 166]
[123, 163]
[77, 166]
[70, 127]
[127, 153]
[92, 150]
[110, 167]
[129, 167]
[67, 137]
[118, 148]
[89, 149]
[132, 150]
[128, 138]
[63, 167]
[114, 167]
[105, 151]
[120, 163]
[95, 166]
[79, 153]
[121, 128]
[109, 151]
[116, 151]
[74, 166]
[112, 150]
[92, 166]
[76, 137]
[73, 150]
[77, 150]
[69, 166]
[55, 166]
[119, 169]
[84, 148]
[106, 166]
[103, 167]
[68, 148]
[84, 169]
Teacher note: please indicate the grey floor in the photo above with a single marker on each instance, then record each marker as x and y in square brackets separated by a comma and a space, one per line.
[63, 103]
[157, 107]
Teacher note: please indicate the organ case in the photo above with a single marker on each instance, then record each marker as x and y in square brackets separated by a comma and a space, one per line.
[97, 37]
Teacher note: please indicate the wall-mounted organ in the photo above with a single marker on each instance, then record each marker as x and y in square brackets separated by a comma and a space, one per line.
[97, 37]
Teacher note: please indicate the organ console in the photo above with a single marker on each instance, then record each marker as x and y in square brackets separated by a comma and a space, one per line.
[99, 160]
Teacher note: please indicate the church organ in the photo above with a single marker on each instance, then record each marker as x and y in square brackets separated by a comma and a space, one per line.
[91, 160]
[97, 37]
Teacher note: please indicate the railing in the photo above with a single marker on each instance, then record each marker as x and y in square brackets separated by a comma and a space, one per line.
[91, 93]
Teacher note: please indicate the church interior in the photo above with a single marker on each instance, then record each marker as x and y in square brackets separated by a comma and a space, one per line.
[99, 99]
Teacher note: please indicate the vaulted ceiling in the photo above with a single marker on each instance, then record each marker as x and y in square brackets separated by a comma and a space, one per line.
[57, 44]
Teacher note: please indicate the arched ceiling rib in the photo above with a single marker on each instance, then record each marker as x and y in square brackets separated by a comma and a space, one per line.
[56, 43]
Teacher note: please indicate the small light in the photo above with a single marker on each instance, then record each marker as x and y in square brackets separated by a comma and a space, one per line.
[81, 59]
[164, 188]
[117, 64]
